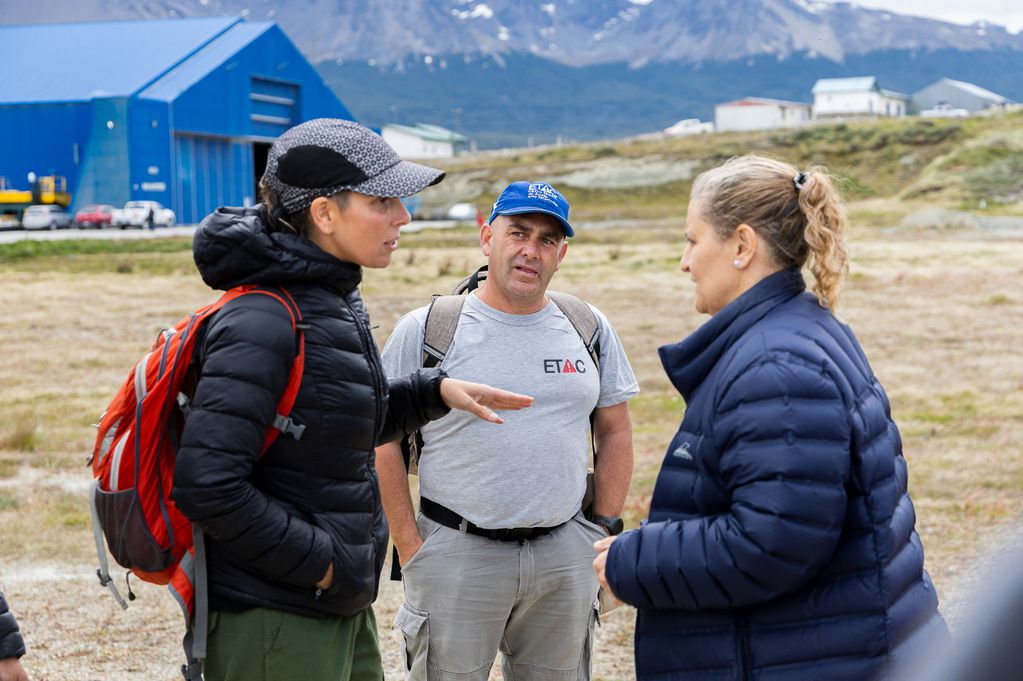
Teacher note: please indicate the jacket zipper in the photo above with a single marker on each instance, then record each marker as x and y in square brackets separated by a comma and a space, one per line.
[367, 340]
[379, 381]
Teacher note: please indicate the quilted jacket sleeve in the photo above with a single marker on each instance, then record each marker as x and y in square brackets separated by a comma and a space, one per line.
[413, 401]
[11, 643]
[249, 350]
[782, 431]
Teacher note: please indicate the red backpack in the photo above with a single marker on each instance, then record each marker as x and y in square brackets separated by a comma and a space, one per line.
[133, 466]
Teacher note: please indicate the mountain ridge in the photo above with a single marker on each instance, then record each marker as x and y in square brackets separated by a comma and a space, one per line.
[608, 68]
[572, 32]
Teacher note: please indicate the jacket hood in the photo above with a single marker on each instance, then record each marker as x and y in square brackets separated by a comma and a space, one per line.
[687, 363]
[233, 246]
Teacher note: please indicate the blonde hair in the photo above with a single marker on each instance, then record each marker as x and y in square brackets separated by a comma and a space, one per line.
[798, 214]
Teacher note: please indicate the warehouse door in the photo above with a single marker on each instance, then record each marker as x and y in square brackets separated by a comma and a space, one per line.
[211, 172]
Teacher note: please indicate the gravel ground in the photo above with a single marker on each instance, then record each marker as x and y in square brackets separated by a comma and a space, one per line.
[76, 632]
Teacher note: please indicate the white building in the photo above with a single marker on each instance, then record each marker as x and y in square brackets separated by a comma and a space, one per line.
[841, 97]
[422, 140]
[758, 113]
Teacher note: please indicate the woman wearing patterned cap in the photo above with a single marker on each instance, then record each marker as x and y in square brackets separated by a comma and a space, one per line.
[295, 540]
[781, 541]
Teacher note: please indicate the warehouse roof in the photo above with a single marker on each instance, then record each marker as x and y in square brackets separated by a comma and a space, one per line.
[204, 60]
[430, 133]
[81, 61]
[975, 90]
[835, 85]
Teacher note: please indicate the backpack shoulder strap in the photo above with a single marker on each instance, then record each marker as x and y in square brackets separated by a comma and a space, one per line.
[442, 319]
[583, 319]
[282, 423]
[441, 323]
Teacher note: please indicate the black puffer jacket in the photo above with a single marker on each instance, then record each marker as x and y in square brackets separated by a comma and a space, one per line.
[274, 524]
[11, 643]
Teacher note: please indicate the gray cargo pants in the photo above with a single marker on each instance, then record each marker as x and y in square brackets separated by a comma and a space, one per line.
[468, 597]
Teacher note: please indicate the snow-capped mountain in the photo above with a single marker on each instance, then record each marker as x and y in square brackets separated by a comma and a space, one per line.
[575, 32]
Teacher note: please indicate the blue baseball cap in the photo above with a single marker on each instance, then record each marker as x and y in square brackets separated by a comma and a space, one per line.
[533, 197]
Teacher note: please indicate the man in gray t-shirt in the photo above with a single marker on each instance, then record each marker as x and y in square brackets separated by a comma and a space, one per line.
[500, 556]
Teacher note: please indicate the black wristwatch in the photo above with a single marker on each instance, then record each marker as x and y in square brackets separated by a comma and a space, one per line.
[612, 523]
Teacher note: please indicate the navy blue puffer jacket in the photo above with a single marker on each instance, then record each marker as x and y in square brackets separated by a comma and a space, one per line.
[274, 524]
[781, 541]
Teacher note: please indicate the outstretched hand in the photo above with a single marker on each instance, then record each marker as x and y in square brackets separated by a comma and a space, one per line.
[480, 399]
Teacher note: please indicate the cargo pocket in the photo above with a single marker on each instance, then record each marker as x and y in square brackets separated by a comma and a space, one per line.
[415, 641]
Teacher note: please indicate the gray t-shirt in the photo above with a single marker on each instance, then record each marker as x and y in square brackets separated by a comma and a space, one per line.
[530, 471]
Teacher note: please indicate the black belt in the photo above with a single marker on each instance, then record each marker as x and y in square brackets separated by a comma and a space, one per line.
[449, 518]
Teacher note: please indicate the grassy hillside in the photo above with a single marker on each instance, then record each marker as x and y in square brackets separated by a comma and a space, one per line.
[886, 168]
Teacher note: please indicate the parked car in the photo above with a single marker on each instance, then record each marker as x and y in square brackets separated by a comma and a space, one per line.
[689, 126]
[95, 216]
[134, 214]
[45, 217]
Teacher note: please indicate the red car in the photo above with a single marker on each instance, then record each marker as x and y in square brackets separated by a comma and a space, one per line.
[95, 216]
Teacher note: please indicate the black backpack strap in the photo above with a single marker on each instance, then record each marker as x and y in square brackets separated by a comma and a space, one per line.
[471, 282]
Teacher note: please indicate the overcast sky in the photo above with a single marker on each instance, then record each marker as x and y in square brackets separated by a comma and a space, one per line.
[1005, 12]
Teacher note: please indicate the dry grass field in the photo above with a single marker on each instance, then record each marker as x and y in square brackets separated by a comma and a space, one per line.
[940, 315]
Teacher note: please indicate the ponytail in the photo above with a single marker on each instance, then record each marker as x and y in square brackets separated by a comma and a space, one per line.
[824, 234]
[275, 217]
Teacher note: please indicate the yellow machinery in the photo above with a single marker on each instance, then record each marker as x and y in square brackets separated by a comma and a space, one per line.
[48, 189]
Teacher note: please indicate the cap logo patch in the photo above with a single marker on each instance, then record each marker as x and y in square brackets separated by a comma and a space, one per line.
[543, 191]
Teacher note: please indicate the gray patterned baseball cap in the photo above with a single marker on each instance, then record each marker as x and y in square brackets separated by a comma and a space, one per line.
[325, 156]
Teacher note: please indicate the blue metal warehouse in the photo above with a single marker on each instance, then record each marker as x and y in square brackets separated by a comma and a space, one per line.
[177, 111]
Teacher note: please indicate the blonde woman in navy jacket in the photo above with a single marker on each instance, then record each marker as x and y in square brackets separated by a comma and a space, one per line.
[781, 541]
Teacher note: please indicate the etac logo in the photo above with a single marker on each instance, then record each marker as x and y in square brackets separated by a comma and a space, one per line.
[543, 191]
[564, 366]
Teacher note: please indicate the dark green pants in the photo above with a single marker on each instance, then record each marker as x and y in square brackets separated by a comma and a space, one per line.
[269, 645]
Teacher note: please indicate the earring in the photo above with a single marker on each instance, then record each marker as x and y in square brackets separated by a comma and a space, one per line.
[737, 263]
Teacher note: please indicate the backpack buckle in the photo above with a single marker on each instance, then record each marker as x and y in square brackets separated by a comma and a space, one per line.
[183, 403]
[192, 671]
[287, 426]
